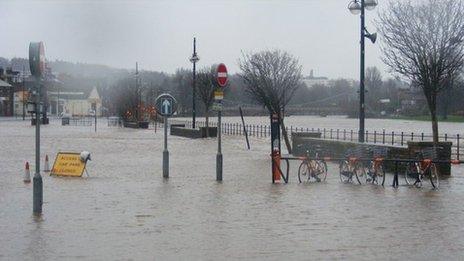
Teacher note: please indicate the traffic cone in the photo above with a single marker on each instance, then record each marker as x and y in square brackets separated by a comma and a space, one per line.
[27, 174]
[46, 165]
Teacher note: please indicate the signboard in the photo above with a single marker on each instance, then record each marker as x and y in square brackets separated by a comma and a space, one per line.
[166, 105]
[222, 75]
[217, 106]
[37, 59]
[218, 95]
[68, 164]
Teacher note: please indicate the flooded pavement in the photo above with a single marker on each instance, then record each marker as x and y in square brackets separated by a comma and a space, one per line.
[126, 211]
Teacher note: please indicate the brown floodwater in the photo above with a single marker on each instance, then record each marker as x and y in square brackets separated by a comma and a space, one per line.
[125, 210]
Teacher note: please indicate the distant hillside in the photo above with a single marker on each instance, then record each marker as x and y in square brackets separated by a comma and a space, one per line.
[83, 70]
[76, 76]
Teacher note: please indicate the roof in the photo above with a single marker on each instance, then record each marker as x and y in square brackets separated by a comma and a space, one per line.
[4, 84]
[94, 96]
[69, 95]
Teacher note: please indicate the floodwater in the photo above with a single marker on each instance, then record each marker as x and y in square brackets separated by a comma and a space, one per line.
[126, 211]
[343, 122]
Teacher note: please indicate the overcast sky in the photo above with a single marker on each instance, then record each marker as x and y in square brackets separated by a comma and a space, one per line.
[322, 34]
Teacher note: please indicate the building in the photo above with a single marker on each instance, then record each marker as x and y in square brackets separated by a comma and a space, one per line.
[6, 99]
[75, 103]
[311, 80]
[11, 81]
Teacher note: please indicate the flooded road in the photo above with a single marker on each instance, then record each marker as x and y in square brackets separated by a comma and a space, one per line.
[126, 211]
[343, 122]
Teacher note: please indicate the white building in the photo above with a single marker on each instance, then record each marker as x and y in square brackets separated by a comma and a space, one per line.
[311, 81]
[75, 103]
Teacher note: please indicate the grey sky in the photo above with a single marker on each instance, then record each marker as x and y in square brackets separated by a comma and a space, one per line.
[158, 34]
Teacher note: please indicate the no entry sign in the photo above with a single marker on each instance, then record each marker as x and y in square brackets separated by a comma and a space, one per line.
[222, 75]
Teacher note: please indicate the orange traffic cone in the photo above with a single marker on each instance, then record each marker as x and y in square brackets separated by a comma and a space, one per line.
[46, 165]
[27, 174]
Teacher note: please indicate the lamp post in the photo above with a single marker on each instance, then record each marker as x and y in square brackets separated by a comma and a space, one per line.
[137, 90]
[358, 7]
[194, 59]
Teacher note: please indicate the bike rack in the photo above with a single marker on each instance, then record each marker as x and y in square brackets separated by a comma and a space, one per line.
[395, 183]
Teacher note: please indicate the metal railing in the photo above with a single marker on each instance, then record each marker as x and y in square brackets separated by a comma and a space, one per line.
[373, 137]
[81, 121]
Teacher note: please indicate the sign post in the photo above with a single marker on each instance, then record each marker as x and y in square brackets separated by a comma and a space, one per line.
[37, 66]
[221, 75]
[166, 105]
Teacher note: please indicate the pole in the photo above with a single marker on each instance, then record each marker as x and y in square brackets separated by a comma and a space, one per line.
[137, 111]
[165, 151]
[244, 129]
[361, 83]
[194, 81]
[95, 117]
[37, 190]
[23, 96]
[219, 152]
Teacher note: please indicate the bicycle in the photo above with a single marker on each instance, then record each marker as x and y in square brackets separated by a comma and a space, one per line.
[375, 170]
[352, 166]
[417, 171]
[312, 167]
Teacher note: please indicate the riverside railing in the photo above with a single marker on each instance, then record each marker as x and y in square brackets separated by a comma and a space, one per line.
[394, 138]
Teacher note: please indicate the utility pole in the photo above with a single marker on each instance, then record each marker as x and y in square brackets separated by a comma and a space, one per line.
[23, 93]
[137, 111]
[194, 59]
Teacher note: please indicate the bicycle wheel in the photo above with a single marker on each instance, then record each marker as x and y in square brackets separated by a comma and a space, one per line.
[319, 170]
[346, 174]
[380, 175]
[412, 175]
[370, 173]
[433, 175]
[303, 172]
[360, 173]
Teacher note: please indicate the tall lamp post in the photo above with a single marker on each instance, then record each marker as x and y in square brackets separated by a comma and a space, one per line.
[357, 7]
[194, 59]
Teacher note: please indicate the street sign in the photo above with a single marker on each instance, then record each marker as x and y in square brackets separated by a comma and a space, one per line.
[218, 95]
[37, 59]
[217, 106]
[68, 164]
[221, 72]
[166, 105]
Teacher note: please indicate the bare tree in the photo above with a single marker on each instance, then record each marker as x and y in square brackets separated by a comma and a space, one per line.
[124, 99]
[423, 41]
[373, 82]
[272, 77]
[373, 78]
[182, 82]
[206, 85]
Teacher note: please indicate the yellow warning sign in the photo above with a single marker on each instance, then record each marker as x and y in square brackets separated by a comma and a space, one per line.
[218, 95]
[68, 164]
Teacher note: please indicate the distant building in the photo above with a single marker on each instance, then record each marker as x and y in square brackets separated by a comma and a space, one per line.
[81, 103]
[11, 81]
[6, 99]
[311, 80]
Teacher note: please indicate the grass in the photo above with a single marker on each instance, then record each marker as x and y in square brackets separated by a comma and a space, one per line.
[451, 118]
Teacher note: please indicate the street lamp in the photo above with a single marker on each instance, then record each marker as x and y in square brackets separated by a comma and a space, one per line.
[358, 7]
[194, 59]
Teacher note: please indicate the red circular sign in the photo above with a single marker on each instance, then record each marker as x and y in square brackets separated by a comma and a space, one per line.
[222, 75]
